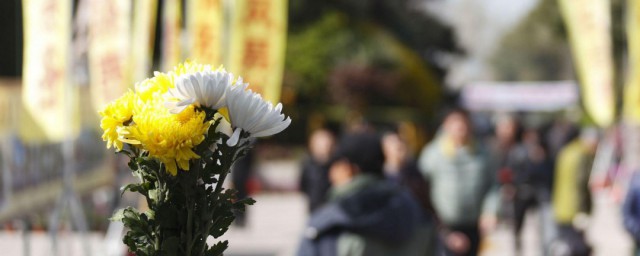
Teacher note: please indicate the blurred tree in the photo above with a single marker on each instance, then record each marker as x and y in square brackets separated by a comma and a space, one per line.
[384, 72]
[378, 45]
[536, 49]
[312, 53]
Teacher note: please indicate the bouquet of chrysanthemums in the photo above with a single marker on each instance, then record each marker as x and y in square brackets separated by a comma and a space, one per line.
[182, 131]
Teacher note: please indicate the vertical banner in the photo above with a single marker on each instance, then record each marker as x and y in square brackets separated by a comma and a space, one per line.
[632, 88]
[204, 24]
[9, 106]
[46, 81]
[588, 23]
[258, 41]
[144, 27]
[109, 49]
[171, 34]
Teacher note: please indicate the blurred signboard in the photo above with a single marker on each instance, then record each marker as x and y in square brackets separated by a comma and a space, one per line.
[109, 49]
[520, 96]
[50, 100]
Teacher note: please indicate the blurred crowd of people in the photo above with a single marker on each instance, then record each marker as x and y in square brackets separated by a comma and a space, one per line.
[369, 194]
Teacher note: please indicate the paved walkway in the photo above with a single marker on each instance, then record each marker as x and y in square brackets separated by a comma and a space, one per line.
[39, 244]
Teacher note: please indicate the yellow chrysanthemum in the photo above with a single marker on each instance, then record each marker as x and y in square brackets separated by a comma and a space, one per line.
[114, 115]
[160, 83]
[157, 85]
[150, 126]
[168, 137]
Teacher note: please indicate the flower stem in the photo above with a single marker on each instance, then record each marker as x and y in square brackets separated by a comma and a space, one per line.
[155, 205]
[204, 237]
[189, 227]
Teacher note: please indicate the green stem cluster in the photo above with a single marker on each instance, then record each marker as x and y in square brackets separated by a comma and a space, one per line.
[186, 209]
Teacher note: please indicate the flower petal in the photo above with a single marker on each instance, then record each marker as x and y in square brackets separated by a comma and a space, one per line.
[233, 140]
[273, 130]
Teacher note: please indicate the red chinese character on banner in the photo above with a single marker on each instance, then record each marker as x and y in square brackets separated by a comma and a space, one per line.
[258, 11]
[256, 53]
[204, 39]
[49, 15]
[50, 79]
[111, 71]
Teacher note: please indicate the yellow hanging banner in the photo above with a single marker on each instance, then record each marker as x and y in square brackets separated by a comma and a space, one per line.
[258, 41]
[144, 27]
[588, 23]
[171, 33]
[632, 88]
[10, 105]
[109, 49]
[204, 24]
[48, 95]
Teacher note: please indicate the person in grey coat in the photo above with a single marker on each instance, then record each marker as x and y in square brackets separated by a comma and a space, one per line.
[463, 184]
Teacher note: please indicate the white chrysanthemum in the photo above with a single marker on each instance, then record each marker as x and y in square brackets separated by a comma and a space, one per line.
[205, 88]
[250, 113]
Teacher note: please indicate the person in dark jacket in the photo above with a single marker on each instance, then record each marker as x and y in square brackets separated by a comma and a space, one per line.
[314, 178]
[402, 169]
[241, 174]
[631, 211]
[365, 215]
[526, 175]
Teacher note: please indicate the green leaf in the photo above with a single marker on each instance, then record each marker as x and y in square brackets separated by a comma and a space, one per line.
[118, 215]
[153, 194]
[241, 204]
[217, 249]
[221, 225]
[150, 214]
[141, 188]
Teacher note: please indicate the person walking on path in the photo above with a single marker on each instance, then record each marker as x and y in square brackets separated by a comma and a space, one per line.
[314, 178]
[365, 214]
[571, 197]
[463, 184]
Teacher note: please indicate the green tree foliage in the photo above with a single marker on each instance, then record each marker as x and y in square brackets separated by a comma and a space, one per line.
[536, 49]
[312, 53]
[369, 52]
